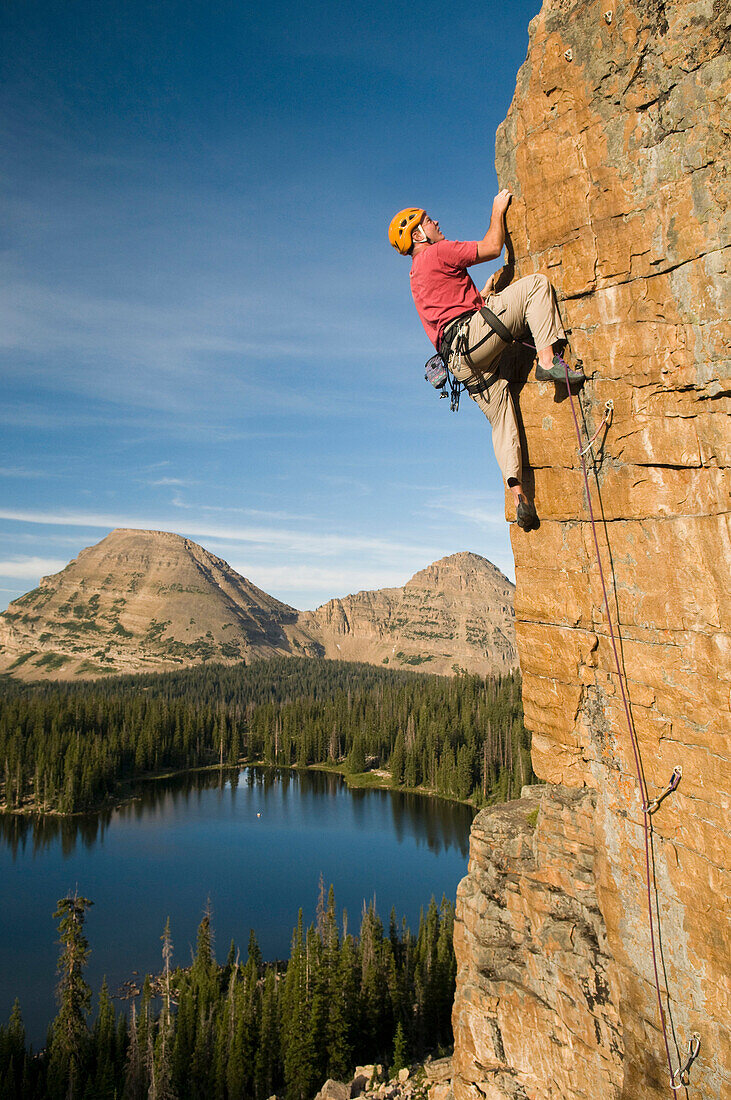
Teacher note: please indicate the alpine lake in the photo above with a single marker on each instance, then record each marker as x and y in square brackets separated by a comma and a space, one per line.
[254, 842]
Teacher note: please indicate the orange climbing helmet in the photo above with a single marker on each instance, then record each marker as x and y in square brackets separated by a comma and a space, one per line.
[402, 226]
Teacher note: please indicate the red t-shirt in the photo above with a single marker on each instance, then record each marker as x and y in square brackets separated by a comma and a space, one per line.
[441, 287]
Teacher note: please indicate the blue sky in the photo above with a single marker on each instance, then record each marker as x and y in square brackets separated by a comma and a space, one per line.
[203, 328]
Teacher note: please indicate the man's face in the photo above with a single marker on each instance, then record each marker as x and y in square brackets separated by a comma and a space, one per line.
[431, 229]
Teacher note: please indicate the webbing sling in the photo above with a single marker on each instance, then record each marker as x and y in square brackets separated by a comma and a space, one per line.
[496, 326]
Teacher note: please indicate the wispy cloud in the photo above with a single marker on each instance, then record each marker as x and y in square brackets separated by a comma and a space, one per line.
[18, 416]
[303, 578]
[299, 542]
[176, 481]
[482, 510]
[35, 538]
[172, 357]
[262, 513]
[30, 568]
[203, 320]
[21, 472]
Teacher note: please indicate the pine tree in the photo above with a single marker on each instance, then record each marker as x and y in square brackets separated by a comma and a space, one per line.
[375, 1001]
[355, 762]
[104, 1047]
[204, 982]
[254, 951]
[298, 1055]
[399, 1059]
[463, 778]
[318, 1003]
[412, 775]
[267, 1052]
[344, 1012]
[145, 1024]
[135, 1085]
[162, 1063]
[13, 1057]
[203, 971]
[184, 1038]
[230, 1040]
[398, 760]
[70, 1033]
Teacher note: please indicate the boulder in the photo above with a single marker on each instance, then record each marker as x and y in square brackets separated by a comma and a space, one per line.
[334, 1090]
[438, 1071]
[365, 1077]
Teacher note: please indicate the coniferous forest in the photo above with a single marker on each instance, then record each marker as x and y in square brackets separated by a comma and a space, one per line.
[246, 1029]
[70, 747]
[249, 1028]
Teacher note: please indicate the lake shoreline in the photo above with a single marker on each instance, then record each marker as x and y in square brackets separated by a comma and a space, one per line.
[252, 844]
[375, 780]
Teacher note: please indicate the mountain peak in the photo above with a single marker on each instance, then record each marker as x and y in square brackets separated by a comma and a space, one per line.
[142, 600]
[454, 615]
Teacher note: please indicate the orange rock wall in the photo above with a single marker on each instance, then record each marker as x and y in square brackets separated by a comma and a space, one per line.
[616, 150]
[534, 938]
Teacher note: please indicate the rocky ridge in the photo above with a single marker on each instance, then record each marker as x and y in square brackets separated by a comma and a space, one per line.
[615, 148]
[150, 601]
[456, 613]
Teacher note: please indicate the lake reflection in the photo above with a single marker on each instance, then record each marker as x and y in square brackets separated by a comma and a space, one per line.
[254, 841]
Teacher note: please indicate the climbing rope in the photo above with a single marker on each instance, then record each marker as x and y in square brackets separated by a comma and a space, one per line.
[679, 1077]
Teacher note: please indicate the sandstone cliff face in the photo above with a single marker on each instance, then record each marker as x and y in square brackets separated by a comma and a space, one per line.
[151, 601]
[541, 985]
[614, 148]
[457, 613]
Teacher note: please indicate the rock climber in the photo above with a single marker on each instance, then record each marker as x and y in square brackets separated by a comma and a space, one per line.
[448, 304]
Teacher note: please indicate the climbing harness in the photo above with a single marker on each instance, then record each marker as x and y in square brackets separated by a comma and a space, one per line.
[648, 807]
[675, 778]
[437, 370]
[496, 326]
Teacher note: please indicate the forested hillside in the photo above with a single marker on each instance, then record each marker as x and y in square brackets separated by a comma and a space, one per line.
[70, 747]
[242, 1030]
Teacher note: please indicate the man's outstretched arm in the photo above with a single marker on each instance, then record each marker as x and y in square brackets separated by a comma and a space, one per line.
[491, 245]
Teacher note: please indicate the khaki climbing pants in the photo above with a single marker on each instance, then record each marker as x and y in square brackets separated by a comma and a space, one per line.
[531, 303]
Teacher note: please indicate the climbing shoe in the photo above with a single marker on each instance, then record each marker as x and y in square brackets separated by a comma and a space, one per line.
[526, 516]
[557, 373]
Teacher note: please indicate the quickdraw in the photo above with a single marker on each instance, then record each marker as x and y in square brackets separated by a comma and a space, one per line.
[681, 1074]
[651, 807]
[606, 422]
